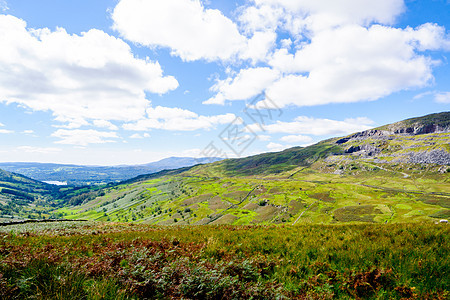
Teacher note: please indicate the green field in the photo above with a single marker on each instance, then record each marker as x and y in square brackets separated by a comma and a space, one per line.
[302, 196]
[86, 260]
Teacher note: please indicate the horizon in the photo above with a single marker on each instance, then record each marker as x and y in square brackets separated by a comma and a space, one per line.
[191, 157]
[228, 79]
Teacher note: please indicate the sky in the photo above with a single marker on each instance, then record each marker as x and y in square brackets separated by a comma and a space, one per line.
[111, 82]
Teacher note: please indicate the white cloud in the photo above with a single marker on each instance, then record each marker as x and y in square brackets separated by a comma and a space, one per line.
[40, 150]
[286, 43]
[3, 5]
[352, 64]
[248, 83]
[264, 138]
[105, 124]
[306, 125]
[76, 77]
[259, 46]
[276, 147]
[260, 18]
[292, 139]
[5, 131]
[84, 137]
[421, 95]
[340, 55]
[177, 119]
[139, 136]
[331, 12]
[191, 31]
[442, 97]
[429, 36]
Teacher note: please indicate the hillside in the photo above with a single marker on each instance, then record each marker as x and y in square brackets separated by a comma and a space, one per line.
[22, 197]
[377, 176]
[79, 175]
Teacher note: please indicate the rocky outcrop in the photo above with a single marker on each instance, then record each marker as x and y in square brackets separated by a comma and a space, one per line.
[353, 149]
[438, 156]
[367, 150]
[434, 123]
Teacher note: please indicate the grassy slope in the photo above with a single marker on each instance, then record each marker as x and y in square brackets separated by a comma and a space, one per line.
[117, 261]
[289, 184]
[25, 198]
[317, 184]
[22, 197]
[189, 198]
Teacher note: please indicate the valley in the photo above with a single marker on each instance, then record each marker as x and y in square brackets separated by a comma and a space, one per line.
[395, 173]
[354, 217]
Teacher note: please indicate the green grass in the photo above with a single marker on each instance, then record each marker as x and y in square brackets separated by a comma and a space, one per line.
[102, 260]
[397, 199]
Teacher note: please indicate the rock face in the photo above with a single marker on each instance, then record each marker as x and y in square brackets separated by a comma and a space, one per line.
[434, 123]
[434, 151]
[440, 157]
[432, 128]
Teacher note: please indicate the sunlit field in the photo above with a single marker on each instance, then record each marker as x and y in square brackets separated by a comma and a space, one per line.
[94, 260]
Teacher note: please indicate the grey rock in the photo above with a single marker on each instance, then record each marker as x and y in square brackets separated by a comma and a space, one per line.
[438, 156]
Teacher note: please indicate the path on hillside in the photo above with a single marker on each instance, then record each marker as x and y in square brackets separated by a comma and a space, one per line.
[304, 211]
[232, 206]
[405, 175]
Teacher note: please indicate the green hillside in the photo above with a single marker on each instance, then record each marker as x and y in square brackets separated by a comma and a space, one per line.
[376, 176]
[23, 198]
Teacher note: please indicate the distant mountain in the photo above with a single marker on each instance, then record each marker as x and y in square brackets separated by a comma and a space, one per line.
[394, 173]
[93, 175]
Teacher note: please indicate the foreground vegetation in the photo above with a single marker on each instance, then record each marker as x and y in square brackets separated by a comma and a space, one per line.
[129, 261]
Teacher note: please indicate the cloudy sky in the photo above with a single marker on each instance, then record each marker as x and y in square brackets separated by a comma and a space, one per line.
[110, 82]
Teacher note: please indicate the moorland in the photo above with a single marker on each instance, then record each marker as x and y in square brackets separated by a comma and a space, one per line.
[360, 216]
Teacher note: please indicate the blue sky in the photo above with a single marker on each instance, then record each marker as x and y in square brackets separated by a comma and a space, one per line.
[111, 82]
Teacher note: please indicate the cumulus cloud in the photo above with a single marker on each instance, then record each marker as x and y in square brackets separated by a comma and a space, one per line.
[177, 119]
[331, 12]
[105, 124]
[139, 136]
[191, 31]
[353, 63]
[314, 126]
[293, 139]
[338, 51]
[442, 97]
[248, 83]
[276, 147]
[84, 137]
[76, 77]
